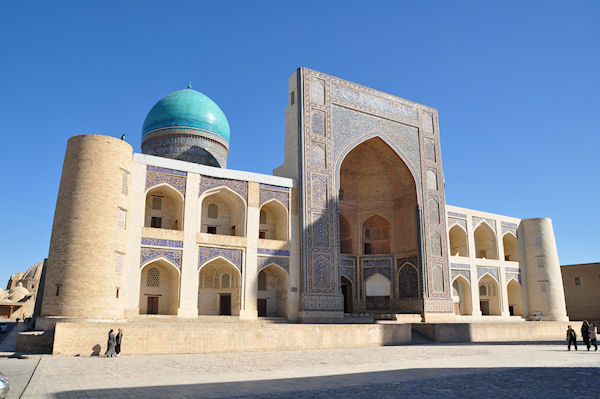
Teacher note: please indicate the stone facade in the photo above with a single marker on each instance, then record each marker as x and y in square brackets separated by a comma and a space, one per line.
[582, 291]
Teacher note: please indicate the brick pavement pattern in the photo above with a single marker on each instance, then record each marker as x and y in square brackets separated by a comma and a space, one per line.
[445, 371]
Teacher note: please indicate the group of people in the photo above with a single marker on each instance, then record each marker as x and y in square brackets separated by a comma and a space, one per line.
[588, 334]
[113, 347]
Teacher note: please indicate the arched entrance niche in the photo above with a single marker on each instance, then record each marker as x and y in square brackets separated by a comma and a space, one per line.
[377, 203]
[273, 221]
[219, 288]
[272, 292]
[461, 296]
[485, 242]
[515, 298]
[159, 288]
[458, 241]
[376, 235]
[489, 296]
[164, 208]
[378, 290]
[347, 293]
[346, 240]
[223, 212]
[511, 247]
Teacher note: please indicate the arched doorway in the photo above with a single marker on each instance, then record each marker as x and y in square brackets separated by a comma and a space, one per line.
[219, 288]
[511, 247]
[485, 242]
[377, 209]
[272, 292]
[458, 241]
[515, 298]
[273, 221]
[489, 296]
[408, 289]
[378, 290]
[159, 288]
[223, 212]
[164, 208]
[461, 296]
[347, 293]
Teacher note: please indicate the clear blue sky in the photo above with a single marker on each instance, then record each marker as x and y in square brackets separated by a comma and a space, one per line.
[516, 84]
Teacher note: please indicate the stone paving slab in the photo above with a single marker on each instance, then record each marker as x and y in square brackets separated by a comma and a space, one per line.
[452, 370]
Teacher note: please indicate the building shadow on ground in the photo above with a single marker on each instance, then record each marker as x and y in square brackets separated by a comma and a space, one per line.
[528, 382]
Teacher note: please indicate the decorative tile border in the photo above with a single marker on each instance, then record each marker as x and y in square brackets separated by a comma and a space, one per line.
[510, 276]
[172, 255]
[323, 303]
[385, 271]
[174, 178]
[240, 187]
[264, 186]
[457, 215]
[268, 195]
[491, 270]
[460, 266]
[159, 242]
[274, 252]
[465, 273]
[264, 261]
[369, 261]
[206, 254]
[478, 220]
[512, 270]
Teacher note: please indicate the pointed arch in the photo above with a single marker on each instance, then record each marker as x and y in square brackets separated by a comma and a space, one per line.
[232, 207]
[219, 257]
[515, 297]
[511, 247]
[458, 241]
[461, 296]
[162, 296]
[346, 236]
[272, 293]
[164, 207]
[275, 226]
[163, 259]
[212, 289]
[489, 295]
[485, 241]
[408, 281]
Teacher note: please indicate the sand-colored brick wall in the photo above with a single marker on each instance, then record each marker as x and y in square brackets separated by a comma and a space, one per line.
[82, 277]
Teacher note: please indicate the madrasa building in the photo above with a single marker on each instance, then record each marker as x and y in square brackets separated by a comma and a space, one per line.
[353, 224]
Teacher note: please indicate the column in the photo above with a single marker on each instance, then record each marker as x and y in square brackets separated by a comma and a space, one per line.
[502, 274]
[293, 306]
[188, 294]
[248, 309]
[472, 259]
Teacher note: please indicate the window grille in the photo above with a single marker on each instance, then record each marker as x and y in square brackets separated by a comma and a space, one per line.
[119, 266]
[213, 211]
[125, 175]
[540, 261]
[122, 219]
[263, 217]
[226, 281]
[543, 286]
[483, 290]
[156, 203]
[262, 281]
[153, 277]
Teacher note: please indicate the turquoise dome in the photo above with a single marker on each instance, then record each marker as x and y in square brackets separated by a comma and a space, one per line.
[187, 108]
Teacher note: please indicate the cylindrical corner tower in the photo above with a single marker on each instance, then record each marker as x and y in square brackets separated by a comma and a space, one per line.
[539, 260]
[188, 126]
[89, 234]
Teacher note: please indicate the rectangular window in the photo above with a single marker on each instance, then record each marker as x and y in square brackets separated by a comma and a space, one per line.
[543, 286]
[262, 234]
[117, 292]
[156, 222]
[211, 229]
[120, 260]
[538, 240]
[540, 261]
[57, 289]
[577, 281]
[122, 219]
[368, 248]
[292, 98]
[124, 178]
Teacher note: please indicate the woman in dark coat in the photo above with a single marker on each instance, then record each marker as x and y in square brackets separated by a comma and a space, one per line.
[585, 334]
[110, 345]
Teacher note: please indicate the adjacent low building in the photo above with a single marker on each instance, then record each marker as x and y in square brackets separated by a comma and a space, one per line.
[582, 291]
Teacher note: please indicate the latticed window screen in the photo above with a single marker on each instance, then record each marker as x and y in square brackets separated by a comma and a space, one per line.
[156, 203]
[124, 181]
[263, 217]
[262, 281]
[226, 281]
[408, 284]
[119, 265]
[483, 290]
[213, 211]
[122, 219]
[153, 277]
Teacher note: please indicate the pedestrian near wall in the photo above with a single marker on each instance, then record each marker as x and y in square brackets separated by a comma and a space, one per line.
[592, 330]
[571, 338]
[585, 333]
[118, 340]
[110, 345]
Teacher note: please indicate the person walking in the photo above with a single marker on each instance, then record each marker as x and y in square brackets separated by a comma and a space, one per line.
[585, 333]
[592, 330]
[118, 340]
[110, 345]
[571, 338]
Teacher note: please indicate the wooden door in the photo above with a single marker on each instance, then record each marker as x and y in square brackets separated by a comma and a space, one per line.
[225, 304]
[485, 307]
[261, 304]
[152, 305]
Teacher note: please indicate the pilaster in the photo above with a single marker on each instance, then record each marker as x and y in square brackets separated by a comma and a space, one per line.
[248, 309]
[188, 302]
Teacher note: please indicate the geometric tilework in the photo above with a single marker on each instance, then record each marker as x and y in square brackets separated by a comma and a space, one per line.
[263, 261]
[512, 270]
[465, 273]
[208, 253]
[174, 178]
[158, 242]
[172, 255]
[460, 266]
[268, 195]
[491, 270]
[320, 302]
[276, 252]
[240, 187]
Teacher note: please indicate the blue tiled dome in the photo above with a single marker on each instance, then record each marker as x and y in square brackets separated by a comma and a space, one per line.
[190, 109]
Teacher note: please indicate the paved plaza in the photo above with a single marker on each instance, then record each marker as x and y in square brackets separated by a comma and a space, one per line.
[412, 371]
